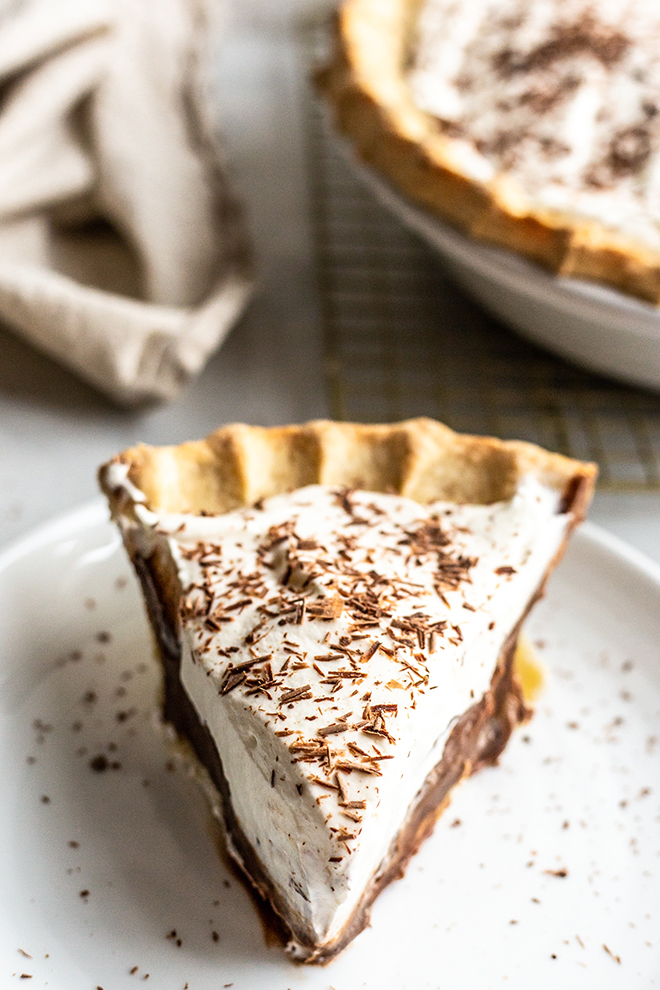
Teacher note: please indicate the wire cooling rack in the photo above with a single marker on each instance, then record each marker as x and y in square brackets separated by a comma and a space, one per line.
[402, 340]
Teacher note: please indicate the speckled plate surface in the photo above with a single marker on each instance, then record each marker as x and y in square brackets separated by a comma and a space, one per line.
[543, 872]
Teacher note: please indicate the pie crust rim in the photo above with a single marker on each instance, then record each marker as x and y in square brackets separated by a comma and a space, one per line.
[237, 465]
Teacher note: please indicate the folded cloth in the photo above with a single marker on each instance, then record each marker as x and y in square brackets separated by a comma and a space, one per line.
[122, 252]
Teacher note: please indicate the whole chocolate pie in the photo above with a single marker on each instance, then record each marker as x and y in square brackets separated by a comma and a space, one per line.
[532, 124]
[336, 609]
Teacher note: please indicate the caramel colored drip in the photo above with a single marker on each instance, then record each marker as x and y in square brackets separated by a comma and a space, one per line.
[528, 670]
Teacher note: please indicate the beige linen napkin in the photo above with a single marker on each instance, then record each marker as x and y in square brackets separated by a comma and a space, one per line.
[122, 253]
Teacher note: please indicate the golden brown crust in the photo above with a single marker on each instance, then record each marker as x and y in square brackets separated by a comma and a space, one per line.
[420, 458]
[365, 85]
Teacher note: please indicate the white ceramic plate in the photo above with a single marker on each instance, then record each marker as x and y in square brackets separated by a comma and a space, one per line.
[486, 902]
[595, 326]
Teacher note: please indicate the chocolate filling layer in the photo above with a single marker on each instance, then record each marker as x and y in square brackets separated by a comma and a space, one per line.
[476, 740]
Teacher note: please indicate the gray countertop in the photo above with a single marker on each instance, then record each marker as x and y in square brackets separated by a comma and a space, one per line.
[55, 430]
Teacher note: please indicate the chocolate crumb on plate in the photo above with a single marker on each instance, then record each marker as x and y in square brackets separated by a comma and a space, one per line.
[617, 959]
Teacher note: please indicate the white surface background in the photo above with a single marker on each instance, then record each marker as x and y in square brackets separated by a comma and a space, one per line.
[55, 431]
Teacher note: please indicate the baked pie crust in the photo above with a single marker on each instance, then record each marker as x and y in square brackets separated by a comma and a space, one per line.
[243, 466]
[422, 459]
[367, 87]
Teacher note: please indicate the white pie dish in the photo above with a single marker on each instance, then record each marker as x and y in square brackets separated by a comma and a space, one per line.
[59, 590]
[597, 327]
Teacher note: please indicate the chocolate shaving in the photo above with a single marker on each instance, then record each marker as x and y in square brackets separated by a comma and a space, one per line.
[368, 654]
[243, 603]
[246, 664]
[585, 36]
[629, 151]
[297, 694]
[326, 608]
[315, 747]
[324, 783]
[343, 796]
[232, 680]
[343, 835]
[330, 730]
[350, 765]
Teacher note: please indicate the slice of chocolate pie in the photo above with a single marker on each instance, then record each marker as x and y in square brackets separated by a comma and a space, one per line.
[533, 124]
[336, 609]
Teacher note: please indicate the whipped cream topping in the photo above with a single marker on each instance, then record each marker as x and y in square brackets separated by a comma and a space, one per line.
[563, 96]
[330, 641]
